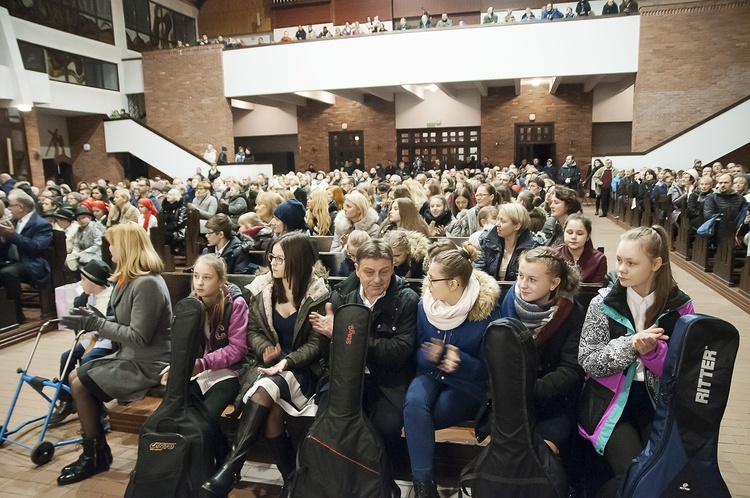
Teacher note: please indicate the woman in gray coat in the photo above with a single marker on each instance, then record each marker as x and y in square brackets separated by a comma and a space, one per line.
[142, 316]
[205, 203]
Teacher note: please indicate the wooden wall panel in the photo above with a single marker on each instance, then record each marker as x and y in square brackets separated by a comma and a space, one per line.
[359, 10]
[413, 8]
[304, 15]
[232, 18]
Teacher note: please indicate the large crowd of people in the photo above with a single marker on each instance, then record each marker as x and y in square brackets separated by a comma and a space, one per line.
[425, 368]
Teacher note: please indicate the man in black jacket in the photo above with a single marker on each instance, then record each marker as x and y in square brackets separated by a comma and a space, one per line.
[724, 200]
[390, 355]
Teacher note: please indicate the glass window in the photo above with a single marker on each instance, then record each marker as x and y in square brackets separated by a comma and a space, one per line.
[33, 57]
[110, 77]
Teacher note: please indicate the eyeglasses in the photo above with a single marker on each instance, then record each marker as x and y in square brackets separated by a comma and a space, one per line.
[433, 280]
[275, 259]
[209, 232]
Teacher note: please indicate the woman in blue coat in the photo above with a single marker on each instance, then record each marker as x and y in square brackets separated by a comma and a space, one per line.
[458, 303]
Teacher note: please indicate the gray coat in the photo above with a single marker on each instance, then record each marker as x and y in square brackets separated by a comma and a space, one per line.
[143, 314]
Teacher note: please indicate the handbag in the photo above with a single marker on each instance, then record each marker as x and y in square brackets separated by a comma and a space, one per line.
[708, 228]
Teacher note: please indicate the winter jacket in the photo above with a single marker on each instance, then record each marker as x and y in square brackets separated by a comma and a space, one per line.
[260, 332]
[176, 216]
[467, 222]
[207, 207]
[728, 204]
[560, 376]
[552, 232]
[471, 376]
[227, 347]
[607, 355]
[679, 196]
[392, 342]
[572, 172]
[236, 258]
[695, 203]
[343, 226]
[237, 206]
[88, 241]
[592, 264]
[492, 247]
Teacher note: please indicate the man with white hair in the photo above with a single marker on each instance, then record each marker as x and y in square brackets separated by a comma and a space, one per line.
[22, 242]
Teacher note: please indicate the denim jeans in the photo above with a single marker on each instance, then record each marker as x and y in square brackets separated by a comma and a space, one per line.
[432, 405]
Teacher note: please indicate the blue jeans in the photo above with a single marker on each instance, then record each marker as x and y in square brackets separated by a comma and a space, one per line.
[431, 405]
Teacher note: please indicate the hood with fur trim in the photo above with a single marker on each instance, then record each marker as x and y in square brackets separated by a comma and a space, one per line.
[488, 300]
[419, 245]
[343, 225]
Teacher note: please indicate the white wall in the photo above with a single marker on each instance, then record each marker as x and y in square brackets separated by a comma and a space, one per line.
[47, 124]
[265, 121]
[612, 103]
[131, 76]
[82, 99]
[439, 108]
[320, 63]
[715, 138]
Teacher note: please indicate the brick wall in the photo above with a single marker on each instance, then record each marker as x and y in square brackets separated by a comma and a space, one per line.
[184, 90]
[377, 118]
[33, 148]
[569, 108]
[95, 163]
[694, 61]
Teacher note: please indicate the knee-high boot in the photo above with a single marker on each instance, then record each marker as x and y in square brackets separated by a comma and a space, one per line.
[253, 419]
[285, 456]
[96, 458]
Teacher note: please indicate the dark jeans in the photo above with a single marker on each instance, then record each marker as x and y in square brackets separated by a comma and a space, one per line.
[221, 395]
[11, 277]
[606, 195]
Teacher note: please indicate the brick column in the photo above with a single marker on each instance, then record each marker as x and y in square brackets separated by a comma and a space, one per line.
[33, 148]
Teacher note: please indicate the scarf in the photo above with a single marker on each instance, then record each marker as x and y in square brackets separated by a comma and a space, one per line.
[150, 211]
[440, 221]
[442, 315]
[534, 316]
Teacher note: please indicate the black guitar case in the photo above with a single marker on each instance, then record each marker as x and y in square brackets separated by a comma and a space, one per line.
[516, 462]
[178, 442]
[342, 455]
[680, 458]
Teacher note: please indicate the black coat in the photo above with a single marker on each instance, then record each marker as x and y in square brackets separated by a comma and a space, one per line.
[238, 261]
[390, 354]
[493, 246]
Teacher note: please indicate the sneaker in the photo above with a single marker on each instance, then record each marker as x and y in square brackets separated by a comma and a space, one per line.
[62, 411]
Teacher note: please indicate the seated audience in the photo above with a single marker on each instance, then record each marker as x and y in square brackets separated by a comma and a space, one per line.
[487, 220]
[87, 243]
[502, 246]
[357, 214]
[458, 303]
[696, 201]
[319, 216]
[120, 209]
[550, 12]
[405, 216]
[533, 205]
[355, 240]
[438, 216]
[289, 216]
[563, 203]
[467, 221]
[148, 217]
[22, 244]
[205, 203]
[223, 243]
[629, 7]
[490, 17]
[409, 252]
[610, 8]
[579, 250]
[175, 210]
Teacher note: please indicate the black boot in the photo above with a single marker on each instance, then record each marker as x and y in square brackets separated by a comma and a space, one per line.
[253, 418]
[96, 458]
[425, 489]
[285, 456]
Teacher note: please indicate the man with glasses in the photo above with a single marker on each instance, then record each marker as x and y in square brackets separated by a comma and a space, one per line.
[390, 357]
[22, 242]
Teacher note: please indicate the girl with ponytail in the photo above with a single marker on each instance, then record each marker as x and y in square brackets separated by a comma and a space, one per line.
[623, 346]
[543, 298]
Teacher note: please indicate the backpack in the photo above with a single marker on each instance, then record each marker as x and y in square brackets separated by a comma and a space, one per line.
[178, 443]
[681, 455]
[516, 462]
[342, 455]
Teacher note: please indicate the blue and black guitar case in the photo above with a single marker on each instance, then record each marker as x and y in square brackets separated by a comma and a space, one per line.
[680, 458]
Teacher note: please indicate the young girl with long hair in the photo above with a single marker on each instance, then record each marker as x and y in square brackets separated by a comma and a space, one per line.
[283, 379]
[579, 250]
[623, 348]
[404, 215]
[318, 215]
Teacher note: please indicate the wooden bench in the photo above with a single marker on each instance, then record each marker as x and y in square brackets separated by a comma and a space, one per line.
[55, 255]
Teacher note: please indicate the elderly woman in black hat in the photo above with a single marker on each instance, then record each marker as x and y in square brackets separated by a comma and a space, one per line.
[96, 293]
[87, 243]
[64, 220]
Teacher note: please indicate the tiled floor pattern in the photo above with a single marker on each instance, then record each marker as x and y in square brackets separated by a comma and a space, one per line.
[21, 478]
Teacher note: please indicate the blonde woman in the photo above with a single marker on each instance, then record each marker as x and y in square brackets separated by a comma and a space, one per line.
[265, 203]
[142, 315]
[417, 194]
[121, 210]
[318, 216]
[357, 215]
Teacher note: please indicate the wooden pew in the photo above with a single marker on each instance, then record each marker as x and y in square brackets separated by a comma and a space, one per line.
[324, 242]
[684, 237]
[192, 237]
[745, 278]
[724, 258]
[158, 234]
[701, 253]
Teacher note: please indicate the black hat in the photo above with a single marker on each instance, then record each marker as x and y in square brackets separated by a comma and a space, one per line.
[223, 148]
[82, 211]
[292, 213]
[97, 271]
[64, 214]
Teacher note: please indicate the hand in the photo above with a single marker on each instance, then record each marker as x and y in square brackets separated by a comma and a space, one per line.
[645, 341]
[271, 353]
[567, 180]
[344, 238]
[450, 360]
[433, 350]
[190, 205]
[276, 369]
[78, 322]
[196, 368]
[323, 325]
[164, 376]
[6, 228]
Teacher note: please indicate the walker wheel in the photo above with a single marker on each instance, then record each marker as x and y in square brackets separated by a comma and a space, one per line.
[42, 453]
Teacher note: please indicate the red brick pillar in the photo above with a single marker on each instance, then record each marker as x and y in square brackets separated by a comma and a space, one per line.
[33, 148]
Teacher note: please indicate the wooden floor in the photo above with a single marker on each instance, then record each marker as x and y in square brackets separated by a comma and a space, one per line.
[21, 478]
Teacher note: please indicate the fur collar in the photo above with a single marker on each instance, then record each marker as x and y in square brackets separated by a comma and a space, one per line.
[489, 294]
[343, 225]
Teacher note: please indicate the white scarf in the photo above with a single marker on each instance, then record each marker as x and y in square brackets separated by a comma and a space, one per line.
[445, 316]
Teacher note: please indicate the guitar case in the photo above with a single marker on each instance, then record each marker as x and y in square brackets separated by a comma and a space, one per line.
[516, 462]
[342, 455]
[681, 455]
[177, 447]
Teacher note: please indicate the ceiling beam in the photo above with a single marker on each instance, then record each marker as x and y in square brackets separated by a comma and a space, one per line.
[414, 90]
[320, 96]
[354, 95]
[381, 93]
[517, 83]
[591, 82]
[450, 92]
[482, 87]
[288, 98]
[241, 104]
[554, 83]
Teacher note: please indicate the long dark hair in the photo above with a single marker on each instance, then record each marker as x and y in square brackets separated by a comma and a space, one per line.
[299, 257]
